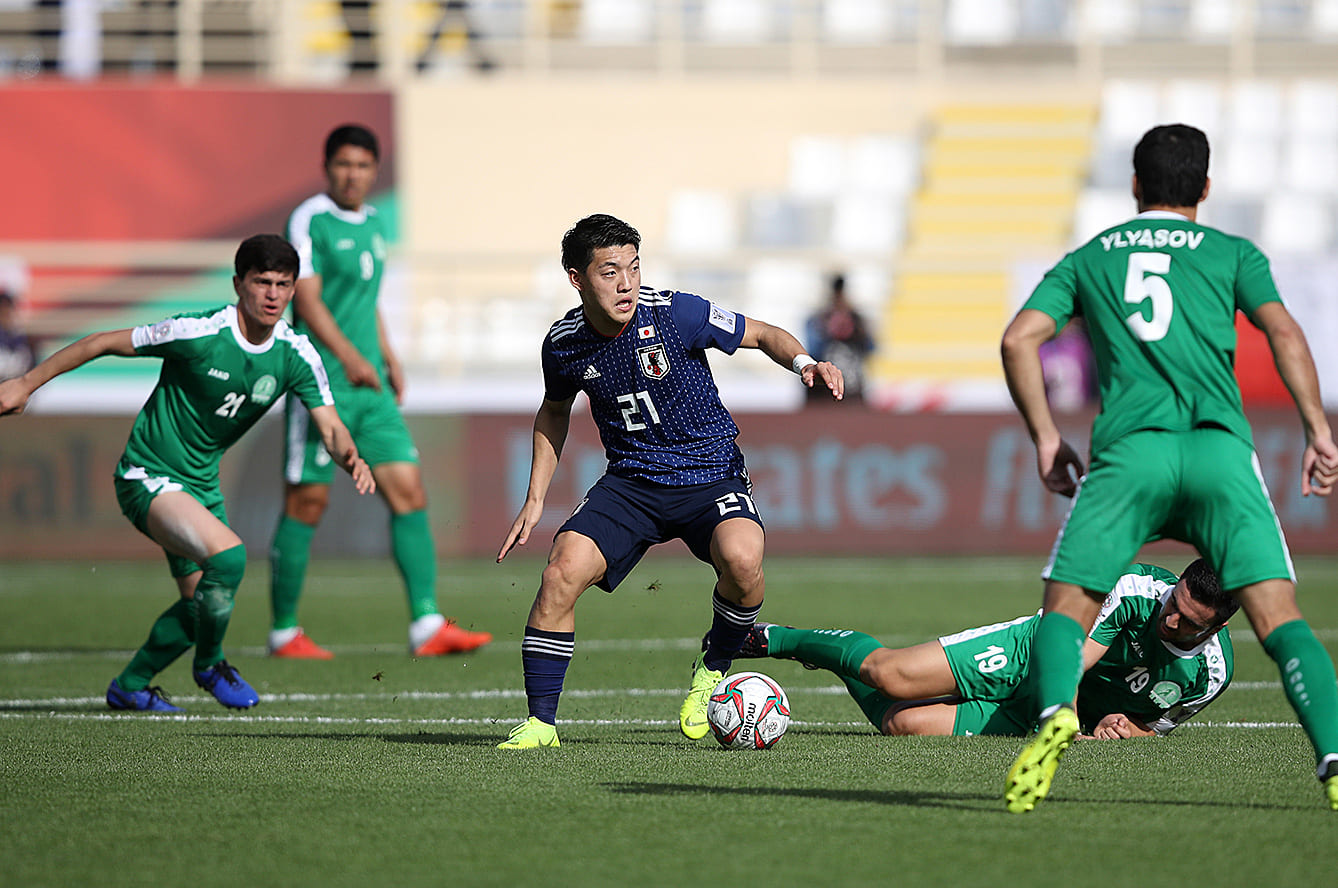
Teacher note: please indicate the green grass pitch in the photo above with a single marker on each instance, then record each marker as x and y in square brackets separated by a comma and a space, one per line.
[379, 769]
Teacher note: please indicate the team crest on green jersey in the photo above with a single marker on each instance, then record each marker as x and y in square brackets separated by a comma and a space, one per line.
[1166, 693]
[263, 391]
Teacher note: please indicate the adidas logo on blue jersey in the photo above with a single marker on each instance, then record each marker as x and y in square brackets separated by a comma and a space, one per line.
[591, 372]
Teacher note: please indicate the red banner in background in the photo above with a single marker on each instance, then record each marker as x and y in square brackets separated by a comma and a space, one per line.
[165, 162]
[856, 482]
[841, 482]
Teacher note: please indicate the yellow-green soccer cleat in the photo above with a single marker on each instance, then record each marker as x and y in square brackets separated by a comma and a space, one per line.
[531, 734]
[1331, 790]
[1029, 779]
[692, 714]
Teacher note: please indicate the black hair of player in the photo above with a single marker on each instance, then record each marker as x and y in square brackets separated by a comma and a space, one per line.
[351, 134]
[592, 233]
[266, 252]
[1171, 163]
[1205, 587]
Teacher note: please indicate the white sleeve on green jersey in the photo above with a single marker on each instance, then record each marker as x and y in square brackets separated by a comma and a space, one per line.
[166, 336]
[312, 389]
[299, 234]
[1218, 667]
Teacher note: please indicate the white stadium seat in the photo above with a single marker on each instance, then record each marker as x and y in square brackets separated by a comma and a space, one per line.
[857, 21]
[817, 166]
[617, 21]
[1296, 223]
[702, 222]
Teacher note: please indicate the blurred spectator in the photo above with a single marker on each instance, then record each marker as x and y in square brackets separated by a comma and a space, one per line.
[837, 333]
[17, 356]
[1069, 368]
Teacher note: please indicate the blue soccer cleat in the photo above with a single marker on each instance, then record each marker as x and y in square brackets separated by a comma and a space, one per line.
[227, 686]
[147, 700]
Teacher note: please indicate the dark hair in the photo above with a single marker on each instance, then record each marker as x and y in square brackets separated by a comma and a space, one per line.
[351, 134]
[1171, 163]
[591, 233]
[265, 252]
[1204, 587]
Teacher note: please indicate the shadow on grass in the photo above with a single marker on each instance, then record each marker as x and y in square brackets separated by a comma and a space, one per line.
[429, 738]
[923, 799]
[875, 796]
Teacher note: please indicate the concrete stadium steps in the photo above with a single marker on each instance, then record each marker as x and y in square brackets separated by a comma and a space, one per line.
[999, 181]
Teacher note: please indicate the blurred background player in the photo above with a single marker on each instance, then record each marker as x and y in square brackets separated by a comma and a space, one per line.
[17, 355]
[222, 370]
[342, 244]
[675, 471]
[1168, 633]
[837, 333]
[1172, 455]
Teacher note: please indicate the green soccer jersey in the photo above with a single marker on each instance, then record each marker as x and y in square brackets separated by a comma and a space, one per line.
[1140, 675]
[213, 386]
[347, 250]
[1159, 295]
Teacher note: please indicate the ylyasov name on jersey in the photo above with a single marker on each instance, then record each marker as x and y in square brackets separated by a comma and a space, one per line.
[1148, 237]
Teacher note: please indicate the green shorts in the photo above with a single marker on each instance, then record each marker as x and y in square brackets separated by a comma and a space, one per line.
[136, 489]
[990, 664]
[1203, 487]
[373, 419]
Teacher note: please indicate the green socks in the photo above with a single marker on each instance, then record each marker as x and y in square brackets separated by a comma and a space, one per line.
[411, 545]
[1056, 661]
[214, 595]
[871, 701]
[288, 557]
[416, 557]
[1308, 681]
[171, 636]
[840, 650]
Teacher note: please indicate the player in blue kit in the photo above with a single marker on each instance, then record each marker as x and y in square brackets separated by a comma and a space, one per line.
[675, 471]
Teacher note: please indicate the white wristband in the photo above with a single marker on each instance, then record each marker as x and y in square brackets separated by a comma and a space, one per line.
[801, 363]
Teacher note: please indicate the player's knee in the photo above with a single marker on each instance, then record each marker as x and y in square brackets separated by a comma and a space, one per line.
[564, 579]
[224, 570]
[307, 503]
[742, 568]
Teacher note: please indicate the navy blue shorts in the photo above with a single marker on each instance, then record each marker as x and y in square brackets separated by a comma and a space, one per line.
[626, 517]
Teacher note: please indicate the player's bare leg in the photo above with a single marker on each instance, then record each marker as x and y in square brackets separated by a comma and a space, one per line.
[181, 525]
[574, 564]
[736, 550]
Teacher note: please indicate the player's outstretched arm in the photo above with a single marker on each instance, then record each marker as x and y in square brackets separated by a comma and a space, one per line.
[551, 424]
[1296, 366]
[339, 444]
[311, 308]
[781, 346]
[14, 393]
[1058, 463]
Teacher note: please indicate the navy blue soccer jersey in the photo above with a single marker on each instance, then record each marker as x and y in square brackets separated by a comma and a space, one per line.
[651, 391]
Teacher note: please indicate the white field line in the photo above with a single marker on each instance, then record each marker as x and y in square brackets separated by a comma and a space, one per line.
[238, 718]
[40, 703]
[593, 645]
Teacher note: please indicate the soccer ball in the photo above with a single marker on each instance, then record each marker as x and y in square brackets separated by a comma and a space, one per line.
[748, 711]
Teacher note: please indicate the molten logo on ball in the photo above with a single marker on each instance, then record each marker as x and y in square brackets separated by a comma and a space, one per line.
[748, 711]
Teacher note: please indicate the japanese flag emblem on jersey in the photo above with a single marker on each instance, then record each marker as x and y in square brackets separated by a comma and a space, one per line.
[654, 361]
[646, 332]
